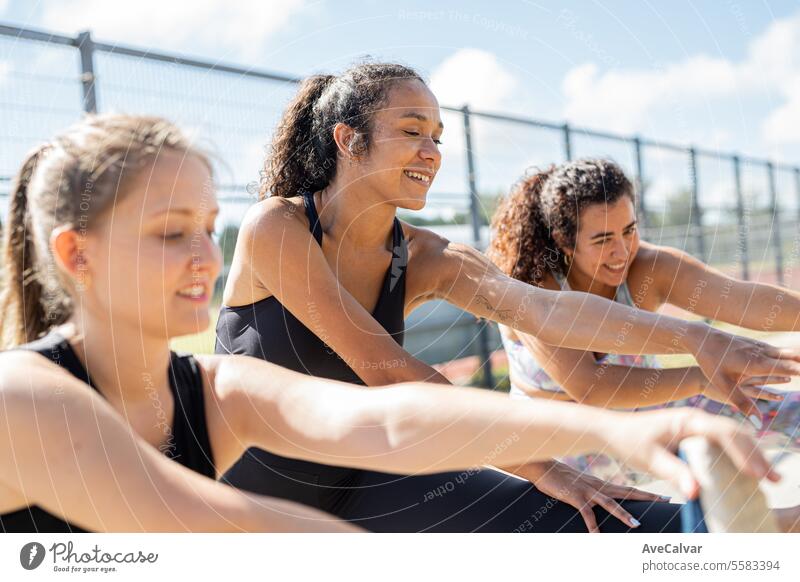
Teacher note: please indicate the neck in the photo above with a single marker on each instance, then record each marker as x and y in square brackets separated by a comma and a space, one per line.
[579, 281]
[357, 217]
[126, 364]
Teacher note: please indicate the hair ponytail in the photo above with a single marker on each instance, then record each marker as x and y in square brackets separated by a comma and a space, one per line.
[299, 155]
[22, 299]
[522, 244]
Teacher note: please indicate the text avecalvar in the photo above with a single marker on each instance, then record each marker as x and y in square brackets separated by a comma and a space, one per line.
[671, 549]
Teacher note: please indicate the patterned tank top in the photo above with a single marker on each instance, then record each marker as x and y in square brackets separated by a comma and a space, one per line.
[524, 366]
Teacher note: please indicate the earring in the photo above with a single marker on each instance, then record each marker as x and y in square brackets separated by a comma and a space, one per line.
[567, 260]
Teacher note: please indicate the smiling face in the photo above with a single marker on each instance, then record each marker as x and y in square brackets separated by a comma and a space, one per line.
[404, 156]
[606, 243]
[150, 260]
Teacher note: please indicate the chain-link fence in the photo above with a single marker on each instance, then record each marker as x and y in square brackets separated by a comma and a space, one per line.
[737, 213]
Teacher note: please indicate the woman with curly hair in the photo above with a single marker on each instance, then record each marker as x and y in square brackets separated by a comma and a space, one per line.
[573, 228]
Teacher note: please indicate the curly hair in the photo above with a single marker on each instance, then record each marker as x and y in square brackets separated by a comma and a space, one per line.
[303, 152]
[538, 220]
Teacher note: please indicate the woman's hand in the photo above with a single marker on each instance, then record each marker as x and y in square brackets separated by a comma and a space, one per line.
[729, 361]
[583, 492]
[648, 440]
[752, 387]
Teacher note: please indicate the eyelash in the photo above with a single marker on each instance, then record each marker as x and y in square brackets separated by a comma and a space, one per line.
[179, 235]
[416, 134]
[626, 233]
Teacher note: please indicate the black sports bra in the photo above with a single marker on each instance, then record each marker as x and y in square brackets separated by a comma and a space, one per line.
[189, 444]
[266, 330]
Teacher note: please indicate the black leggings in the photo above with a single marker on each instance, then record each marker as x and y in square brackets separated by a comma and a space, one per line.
[469, 501]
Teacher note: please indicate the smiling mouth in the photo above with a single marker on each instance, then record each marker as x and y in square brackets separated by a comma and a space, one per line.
[194, 292]
[417, 177]
[616, 268]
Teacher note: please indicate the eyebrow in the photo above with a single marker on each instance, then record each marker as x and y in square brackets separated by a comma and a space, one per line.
[605, 234]
[419, 116]
[186, 211]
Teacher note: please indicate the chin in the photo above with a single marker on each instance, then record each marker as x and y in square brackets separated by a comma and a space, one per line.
[188, 325]
[412, 202]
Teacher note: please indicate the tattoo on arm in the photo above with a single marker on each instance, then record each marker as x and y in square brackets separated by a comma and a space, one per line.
[501, 314]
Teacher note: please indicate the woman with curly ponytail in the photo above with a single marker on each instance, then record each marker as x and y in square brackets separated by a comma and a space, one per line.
[573, 227]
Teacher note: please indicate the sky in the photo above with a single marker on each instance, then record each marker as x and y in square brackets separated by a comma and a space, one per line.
[721, 74]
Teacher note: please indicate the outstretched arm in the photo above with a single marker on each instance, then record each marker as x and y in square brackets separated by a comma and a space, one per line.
[424, 428]
[595, 383]
[692, 285]
[585, 321]
[63, 448]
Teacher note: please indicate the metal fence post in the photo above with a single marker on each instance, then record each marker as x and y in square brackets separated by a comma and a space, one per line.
[776, 223]
[641, 210]
[567, 142]
[697, 212]
[740, 219]
[797, 190]
[86, 48]
[475, 215]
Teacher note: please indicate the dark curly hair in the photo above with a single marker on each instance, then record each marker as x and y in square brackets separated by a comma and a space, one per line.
[539, 218]
[303, 152]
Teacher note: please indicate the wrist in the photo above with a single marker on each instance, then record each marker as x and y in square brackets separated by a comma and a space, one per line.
[605, 428]
[691, 338]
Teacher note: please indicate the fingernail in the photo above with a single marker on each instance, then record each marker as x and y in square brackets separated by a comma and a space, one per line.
[756, 421]
[635, 522]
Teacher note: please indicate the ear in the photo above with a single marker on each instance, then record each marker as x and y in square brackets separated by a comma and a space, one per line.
[68, 248]
[344, 136]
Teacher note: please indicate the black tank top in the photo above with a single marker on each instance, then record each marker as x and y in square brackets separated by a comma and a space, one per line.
[189, 444]
[266, 330]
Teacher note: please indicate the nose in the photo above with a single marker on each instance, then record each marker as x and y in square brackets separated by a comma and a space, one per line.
[620, 249]
[206, 256]
[430, 153]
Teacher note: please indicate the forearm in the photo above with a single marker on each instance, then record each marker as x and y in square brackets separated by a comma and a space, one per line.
[613, 386]
[404, 428]
[427, 429]
[585, 321]
[763, 307]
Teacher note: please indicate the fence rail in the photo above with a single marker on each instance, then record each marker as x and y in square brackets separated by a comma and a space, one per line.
[750, 229]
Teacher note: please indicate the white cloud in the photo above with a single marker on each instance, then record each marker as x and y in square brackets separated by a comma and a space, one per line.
[474, 77]
[627, 100]
[237, 27]
[623, 99]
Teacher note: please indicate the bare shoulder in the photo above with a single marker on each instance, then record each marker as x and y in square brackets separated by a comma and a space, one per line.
[661, 262]
[422, 242]
[432, 260]
[265, 215]
[653, 272]
[21, 369]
